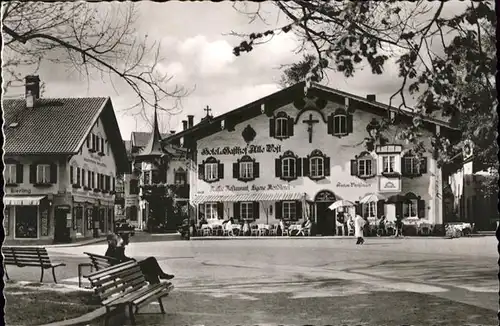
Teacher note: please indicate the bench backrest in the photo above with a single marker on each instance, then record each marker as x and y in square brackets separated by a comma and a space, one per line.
[27, 256]
[113, 282]
[101, 262]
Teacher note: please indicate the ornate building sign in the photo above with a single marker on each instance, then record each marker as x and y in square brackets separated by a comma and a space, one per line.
[268, 187]
[353, 185]
[238, 150]
[389, 184]
[20, 191]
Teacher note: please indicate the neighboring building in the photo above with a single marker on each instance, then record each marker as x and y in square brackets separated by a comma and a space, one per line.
[466, 202]
[146, 155]
[289, 157]
[62, 156]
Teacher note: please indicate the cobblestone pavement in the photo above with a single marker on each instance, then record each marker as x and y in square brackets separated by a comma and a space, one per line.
[315, 281]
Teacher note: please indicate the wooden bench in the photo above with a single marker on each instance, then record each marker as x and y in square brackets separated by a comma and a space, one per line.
[124, 285]
[29, 256]
[97, 262]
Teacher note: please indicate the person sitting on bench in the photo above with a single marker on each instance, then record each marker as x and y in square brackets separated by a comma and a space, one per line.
[149, 266]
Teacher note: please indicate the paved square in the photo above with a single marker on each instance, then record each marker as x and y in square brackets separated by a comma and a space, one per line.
[316, 281]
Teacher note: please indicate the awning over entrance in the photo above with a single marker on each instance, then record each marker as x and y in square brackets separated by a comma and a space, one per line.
[370, 198]
[253, 196]
[22, 200]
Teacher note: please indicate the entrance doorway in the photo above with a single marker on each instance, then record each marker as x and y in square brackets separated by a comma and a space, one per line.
[61, 228]
[325, 218]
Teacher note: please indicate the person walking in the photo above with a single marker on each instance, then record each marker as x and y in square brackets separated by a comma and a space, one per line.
[149, 266]
[359, 224]
[399, 226]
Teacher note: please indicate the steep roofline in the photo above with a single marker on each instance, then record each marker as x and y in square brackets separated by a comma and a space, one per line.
[93, 122]
[316, 86]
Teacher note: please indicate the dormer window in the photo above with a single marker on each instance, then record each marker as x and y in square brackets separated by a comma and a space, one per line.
[281, 126]
[246, 169]
[211, 170]
[363, 166]
[316, 166]
[340, 123]
[288, 166]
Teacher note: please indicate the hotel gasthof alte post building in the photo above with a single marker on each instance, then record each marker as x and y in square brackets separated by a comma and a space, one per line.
[62, 157]
[289, 156]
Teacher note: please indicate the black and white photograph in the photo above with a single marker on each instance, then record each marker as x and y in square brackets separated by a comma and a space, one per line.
[250, 163]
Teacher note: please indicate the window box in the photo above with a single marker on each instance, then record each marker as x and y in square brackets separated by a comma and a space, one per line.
[112, 192]
[96, 190]
[316, 166]
[211, 170]
[91, 150]
[281, 126]
[86, 188]
[288, 166]
[11, 184]
[246, 169]
[101, 154]
[75, 185]
[104, 191]
[340, 123]
[391, 174]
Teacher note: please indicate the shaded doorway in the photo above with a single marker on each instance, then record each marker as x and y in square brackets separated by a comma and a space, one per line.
[61, 227]
[325, 218]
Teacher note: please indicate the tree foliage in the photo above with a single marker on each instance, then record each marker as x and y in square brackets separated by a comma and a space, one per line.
[447, 62]
[92, 39]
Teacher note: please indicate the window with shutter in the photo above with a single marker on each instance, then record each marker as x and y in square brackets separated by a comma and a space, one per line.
[211, 211]
[289, 210]
[317, 163]
[281, 126]
[365, 166]
[246, 169]
[211, 170]
[78, 176]
[288, 166]
[246, 211]
[43, 173]
[340, 123]
[10, 174]
[71, 175]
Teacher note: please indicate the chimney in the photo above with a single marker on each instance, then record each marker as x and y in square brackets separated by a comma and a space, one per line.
[371, 97]
[184, 124]
[32, 84]
[190, 121]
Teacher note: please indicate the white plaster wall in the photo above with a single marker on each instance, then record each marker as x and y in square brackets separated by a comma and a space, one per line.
[340, 151]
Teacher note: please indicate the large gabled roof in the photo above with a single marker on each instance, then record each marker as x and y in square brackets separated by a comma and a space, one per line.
[288, 95]
[59, 126]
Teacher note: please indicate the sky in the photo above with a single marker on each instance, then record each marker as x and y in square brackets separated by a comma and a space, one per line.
[197, 52]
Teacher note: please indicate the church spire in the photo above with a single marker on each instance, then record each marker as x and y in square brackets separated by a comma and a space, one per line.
[153, 147]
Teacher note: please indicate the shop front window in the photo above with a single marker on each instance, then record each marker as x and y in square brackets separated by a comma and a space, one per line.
[6, 220]
[79, 219]
[26, 222]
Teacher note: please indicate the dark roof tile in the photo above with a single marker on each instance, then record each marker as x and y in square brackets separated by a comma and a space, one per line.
[53, 126]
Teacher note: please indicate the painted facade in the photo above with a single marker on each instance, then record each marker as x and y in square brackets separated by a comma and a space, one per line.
[327, 167]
